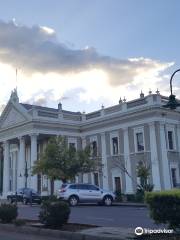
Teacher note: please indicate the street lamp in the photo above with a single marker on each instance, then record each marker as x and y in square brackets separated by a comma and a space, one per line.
[172, 103]
[26, 174]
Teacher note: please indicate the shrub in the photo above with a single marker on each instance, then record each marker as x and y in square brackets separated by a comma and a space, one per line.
[118, 196]
[54, 214]
[19, 222]
[49, 198]
[131, 197]
[8, 212]
[140, 193]
[165, 207]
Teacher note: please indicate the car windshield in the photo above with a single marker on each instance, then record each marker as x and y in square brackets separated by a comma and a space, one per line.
[20, 191]
[64, 185]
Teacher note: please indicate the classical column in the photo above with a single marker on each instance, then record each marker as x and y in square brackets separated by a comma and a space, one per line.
[21, 163]
[104, 161]
[6, 170]
[129, 186]
[154, 157]
[84, 175]
[165, 161]
[178, 135]
[33, 159]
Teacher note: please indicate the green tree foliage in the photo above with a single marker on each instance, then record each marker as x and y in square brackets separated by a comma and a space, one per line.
[60, 162]
[143, 172]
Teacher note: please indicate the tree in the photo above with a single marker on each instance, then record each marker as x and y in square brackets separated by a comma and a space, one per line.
[143, 172]
[60, 162]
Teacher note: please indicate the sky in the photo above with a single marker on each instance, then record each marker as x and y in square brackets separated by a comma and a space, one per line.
[88, 53]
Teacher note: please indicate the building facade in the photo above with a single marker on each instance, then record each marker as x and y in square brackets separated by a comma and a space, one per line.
[120, 137]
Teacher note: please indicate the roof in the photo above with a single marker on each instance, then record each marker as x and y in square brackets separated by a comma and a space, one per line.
[30, 106]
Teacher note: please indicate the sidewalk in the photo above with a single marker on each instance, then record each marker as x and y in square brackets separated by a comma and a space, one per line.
[99, 233]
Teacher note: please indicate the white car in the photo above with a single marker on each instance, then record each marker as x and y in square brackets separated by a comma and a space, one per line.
[81, 193]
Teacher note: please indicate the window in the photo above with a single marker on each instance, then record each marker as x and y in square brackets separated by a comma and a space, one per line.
[96, 179]
[173, 175]
[72, 146]
[72, 143]
[170, 140]
[140, 141]
[94, 149]
[115, 145]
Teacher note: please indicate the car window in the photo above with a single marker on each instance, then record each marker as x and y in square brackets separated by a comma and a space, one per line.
[92, 187]
[64, 185]
[83, 186]
[74, 186]
[20, 191]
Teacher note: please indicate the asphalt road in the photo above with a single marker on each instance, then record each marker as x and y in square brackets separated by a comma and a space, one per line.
[114, 216]
[21, 236]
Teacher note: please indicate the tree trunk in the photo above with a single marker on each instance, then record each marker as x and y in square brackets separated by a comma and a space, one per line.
[52, 186]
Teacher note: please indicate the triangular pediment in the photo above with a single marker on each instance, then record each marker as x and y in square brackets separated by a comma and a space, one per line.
[12, 116]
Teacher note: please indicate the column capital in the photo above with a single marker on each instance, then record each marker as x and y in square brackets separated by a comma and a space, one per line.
[83, 137]
[34, 135]
[6, 141]
[103, 134]
[21, 138]
[151, 124]
[162, 123]
[125, 129]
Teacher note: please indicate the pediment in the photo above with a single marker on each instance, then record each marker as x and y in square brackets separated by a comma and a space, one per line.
[12, 117]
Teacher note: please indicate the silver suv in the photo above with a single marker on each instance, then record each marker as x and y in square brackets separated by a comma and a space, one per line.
[81, 193]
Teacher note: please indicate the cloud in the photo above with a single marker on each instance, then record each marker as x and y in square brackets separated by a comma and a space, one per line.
[41, 98]
[37, 49]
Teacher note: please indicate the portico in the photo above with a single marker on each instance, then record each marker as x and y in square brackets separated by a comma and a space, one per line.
[19, 157]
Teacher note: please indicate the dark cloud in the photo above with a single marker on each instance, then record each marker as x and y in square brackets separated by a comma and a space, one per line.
[35, 49]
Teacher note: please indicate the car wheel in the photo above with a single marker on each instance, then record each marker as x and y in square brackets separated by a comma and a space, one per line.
[107, 201]
[73, 201]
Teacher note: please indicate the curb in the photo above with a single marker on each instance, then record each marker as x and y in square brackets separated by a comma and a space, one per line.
[58, 234]
[130, 204]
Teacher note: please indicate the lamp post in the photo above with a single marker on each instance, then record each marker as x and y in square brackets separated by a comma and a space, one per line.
[172, 103]
[26, 174]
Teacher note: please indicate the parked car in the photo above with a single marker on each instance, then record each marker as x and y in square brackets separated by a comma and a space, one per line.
[16, 196]
[24, 195]
[82, 193]
[31, 196]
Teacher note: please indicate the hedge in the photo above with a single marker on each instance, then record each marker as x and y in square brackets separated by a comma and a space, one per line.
[54, 214]
[8, 212]
[165, 207]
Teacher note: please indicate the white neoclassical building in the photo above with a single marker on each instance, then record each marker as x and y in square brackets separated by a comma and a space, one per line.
[120, 136]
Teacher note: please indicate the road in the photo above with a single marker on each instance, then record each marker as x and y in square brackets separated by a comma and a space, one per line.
[21, 236]
[114, 216]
